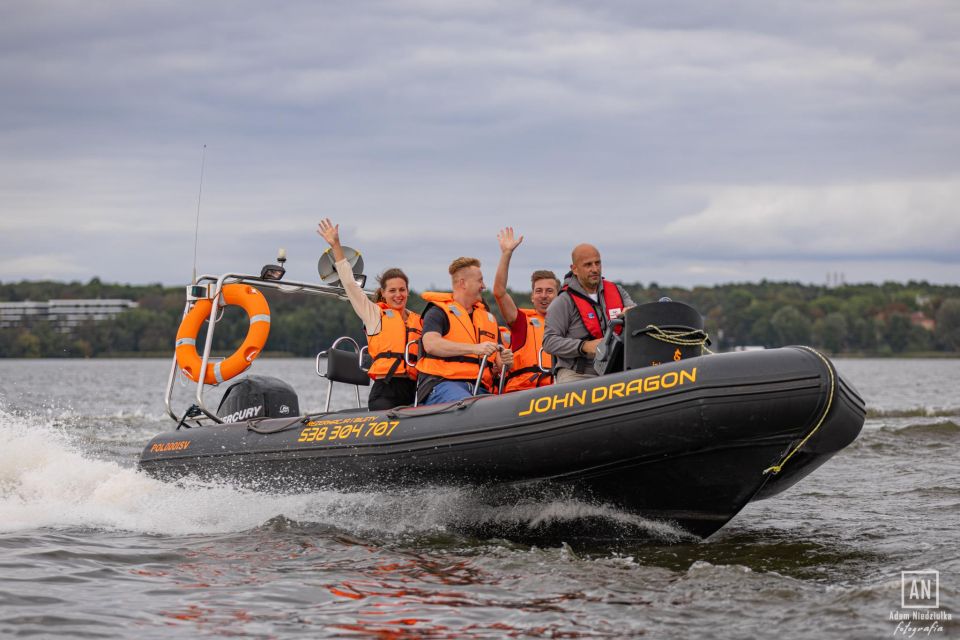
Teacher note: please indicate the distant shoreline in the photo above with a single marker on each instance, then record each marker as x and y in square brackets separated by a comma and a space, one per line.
[911, 320]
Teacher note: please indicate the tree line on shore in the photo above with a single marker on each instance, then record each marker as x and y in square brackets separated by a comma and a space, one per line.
[853, 319]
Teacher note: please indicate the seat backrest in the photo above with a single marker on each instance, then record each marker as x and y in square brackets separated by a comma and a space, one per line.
[344, 366]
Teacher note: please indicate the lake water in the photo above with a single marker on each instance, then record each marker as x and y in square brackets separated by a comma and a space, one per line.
[90, 548]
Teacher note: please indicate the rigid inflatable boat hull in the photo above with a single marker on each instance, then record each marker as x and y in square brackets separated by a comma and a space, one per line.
[689, 442]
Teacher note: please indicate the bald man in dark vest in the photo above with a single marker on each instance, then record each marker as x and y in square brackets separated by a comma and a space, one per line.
[578, 317]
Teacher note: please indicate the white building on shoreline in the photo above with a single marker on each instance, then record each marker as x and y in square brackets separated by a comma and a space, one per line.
[64, 314]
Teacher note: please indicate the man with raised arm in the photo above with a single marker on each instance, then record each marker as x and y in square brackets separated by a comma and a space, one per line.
[526, 325]
[578, 317]
[458, 331]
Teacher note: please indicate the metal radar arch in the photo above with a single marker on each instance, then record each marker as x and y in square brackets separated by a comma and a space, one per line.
[210, 288]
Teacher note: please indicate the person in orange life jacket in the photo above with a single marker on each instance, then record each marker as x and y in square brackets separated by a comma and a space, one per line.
[578, 317]
[388, 323]
[458, 331]
[526, 325]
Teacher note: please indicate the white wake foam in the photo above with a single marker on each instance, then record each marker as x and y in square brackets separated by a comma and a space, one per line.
[48, 480]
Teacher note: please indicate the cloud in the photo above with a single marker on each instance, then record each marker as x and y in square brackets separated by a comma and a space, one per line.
[905, 220]
[695, 135]
[44, 266]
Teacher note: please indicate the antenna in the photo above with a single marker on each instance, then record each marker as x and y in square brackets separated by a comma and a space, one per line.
[196, 231]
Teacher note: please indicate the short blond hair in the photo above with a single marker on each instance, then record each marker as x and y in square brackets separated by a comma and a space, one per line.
[462, 263]
[543, 274]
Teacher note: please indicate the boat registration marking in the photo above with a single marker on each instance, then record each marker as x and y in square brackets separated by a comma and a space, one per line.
[179, 445]
[597, 395]
[348, 431]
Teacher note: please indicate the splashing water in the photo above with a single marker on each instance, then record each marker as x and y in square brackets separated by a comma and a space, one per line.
[48, 480]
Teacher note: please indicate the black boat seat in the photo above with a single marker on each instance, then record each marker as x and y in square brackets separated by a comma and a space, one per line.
[343, 366]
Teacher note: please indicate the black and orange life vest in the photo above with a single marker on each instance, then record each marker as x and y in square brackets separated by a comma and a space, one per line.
[387, 346]
[526, 372]
[591, 311]
[474, 327]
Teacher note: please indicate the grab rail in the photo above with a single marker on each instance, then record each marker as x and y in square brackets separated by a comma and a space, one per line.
[540, 361]
[483, 364]
[406, 354]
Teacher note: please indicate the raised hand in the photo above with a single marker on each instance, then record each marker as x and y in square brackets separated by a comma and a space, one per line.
[507, 241]
[329, 232]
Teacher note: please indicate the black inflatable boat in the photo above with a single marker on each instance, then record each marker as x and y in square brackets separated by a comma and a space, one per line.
[689, 442]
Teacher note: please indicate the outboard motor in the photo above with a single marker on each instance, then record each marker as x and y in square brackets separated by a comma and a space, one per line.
[258, 397]
[663, 331]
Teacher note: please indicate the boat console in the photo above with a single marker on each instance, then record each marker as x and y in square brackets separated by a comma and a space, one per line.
[651, 334]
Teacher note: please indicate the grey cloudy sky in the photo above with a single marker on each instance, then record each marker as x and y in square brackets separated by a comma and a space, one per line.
[693, 142]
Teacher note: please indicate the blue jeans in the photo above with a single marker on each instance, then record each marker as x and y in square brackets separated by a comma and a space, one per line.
[451, 391]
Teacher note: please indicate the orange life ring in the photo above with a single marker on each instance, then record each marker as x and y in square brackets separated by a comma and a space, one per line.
[258, 311]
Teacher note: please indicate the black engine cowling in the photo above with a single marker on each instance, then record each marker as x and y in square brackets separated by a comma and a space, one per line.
[651, 334]
[258, 397]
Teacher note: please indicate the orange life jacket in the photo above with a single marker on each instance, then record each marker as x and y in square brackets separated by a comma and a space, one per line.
[474, 327]
[590, 310]
[526, 372]
[386, 347]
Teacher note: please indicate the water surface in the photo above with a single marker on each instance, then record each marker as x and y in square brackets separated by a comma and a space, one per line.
[89, 547]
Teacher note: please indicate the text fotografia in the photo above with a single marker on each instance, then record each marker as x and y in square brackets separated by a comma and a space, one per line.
[909, 630]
